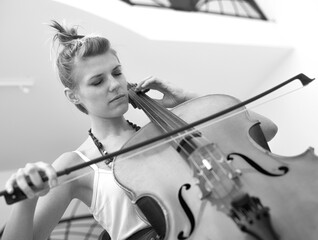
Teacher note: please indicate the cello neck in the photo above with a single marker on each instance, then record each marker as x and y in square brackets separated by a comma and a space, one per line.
[159, 115]
[167, 121]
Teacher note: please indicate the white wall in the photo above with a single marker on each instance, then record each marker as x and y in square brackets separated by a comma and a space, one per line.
[296, 114]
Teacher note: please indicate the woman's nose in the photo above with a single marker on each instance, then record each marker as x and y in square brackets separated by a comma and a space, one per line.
[114, 84]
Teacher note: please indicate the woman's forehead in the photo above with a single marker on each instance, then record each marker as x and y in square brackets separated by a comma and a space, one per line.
[106, 60]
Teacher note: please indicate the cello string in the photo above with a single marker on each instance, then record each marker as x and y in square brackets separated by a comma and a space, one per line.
[169, 118]
[156, 112]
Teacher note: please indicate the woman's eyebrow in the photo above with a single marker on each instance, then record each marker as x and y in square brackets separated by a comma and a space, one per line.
[118, 66]
[95, 76]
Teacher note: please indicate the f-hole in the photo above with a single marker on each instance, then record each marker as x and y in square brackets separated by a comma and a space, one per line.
[187, 211]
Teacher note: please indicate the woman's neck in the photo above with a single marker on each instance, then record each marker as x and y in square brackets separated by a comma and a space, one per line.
[105, 128]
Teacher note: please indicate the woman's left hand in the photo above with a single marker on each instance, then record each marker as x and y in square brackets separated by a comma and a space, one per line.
[172, 95]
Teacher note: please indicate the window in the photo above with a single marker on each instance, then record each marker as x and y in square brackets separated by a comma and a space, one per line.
[236, 8]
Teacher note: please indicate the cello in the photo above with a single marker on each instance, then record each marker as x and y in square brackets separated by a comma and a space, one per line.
[218, 182]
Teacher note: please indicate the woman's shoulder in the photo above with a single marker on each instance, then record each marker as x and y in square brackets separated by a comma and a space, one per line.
[66, 160]
[70, 158]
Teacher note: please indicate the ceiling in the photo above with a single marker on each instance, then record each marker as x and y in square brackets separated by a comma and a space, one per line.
[42, 124]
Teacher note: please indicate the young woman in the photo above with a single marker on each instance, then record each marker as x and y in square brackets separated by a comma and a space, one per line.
[94, 82]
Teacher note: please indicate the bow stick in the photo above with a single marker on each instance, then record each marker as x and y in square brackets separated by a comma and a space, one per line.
[18, 195]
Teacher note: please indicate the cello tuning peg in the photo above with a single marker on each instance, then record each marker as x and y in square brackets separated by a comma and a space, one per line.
[131, 86]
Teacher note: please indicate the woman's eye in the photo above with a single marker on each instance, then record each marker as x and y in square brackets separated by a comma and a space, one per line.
[97, 82]
[117, 73]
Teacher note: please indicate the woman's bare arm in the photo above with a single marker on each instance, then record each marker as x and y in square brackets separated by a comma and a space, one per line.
[45, 210]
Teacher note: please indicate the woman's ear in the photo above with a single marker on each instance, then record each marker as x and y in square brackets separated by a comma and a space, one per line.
[71, 96]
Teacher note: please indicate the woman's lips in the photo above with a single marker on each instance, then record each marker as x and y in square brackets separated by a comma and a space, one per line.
[118, 97]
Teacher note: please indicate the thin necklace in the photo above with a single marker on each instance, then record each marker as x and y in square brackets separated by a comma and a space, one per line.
[100, 146]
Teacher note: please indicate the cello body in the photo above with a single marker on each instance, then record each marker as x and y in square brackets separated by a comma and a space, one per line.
[287, 187]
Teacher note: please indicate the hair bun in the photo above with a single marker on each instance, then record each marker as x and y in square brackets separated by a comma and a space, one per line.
[65, 35]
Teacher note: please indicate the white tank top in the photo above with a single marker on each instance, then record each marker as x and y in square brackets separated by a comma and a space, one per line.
[111, 207]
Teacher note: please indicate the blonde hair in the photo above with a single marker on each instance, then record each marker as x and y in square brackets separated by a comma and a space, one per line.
[75, 47]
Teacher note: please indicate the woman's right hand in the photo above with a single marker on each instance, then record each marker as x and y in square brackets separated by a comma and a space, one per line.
[32, 171]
